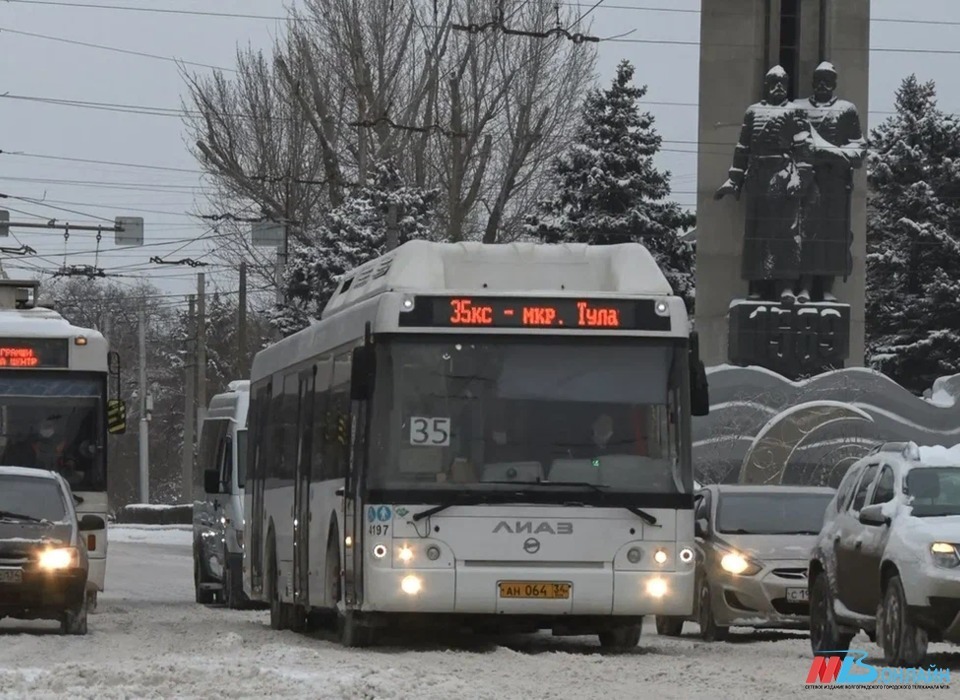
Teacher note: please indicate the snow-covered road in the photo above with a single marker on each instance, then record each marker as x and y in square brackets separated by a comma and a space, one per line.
[150, 640]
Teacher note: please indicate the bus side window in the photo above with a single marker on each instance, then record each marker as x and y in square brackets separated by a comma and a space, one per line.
[291, 404]
[273, 456]
[226, 464]
[321, 405]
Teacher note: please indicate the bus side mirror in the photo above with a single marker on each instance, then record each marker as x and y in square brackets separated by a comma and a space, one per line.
[211, 481]
[116, 416]
[362, 371]
[699, 389]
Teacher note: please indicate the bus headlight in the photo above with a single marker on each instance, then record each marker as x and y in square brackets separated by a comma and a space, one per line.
[660, 556]
[662, 308]
[433, 552]
[656, 587]
[686, 555]
[380, 551]
[405, 554]
[64, 558]
[410, 585]
[634, 555]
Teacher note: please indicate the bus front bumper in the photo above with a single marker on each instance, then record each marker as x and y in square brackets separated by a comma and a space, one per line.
[496, 591]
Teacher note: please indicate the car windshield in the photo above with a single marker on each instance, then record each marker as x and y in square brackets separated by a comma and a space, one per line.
[34, 498]
[934, 491]
[777, 513]
[54, 423]
[485, 412]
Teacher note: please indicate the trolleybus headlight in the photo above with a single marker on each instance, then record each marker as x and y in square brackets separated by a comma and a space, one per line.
[686, 555]
[405, 553]
[433, 552]
[410, 585]
[656, 587]
[64, 558]
[660, 556]
[407, 304]
[662, 308]
[380, 551]
[634, 554]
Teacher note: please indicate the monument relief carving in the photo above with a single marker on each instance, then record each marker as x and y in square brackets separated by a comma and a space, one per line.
[794, 163]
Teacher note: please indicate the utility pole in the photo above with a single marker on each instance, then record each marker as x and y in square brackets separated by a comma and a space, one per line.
[242, 321]
[190, 406]
[393, 233]
[201, 349]
[144, 427]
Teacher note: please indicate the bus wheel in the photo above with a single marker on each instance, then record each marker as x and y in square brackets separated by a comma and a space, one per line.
[277, 618]
[626, 637]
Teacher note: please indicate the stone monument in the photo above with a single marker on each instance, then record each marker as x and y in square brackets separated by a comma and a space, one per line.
[796, 222]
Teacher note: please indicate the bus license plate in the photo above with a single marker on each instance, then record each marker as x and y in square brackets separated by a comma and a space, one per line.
[797, 595]
[550, 590]
[11, 576]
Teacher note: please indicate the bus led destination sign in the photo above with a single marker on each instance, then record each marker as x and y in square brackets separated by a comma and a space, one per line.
[504, 312]
[33, 353]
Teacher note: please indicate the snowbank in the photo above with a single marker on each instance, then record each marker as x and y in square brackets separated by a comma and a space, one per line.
[945, 391]
[151, 534]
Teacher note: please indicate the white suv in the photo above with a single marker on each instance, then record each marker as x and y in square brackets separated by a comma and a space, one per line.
[887, 560]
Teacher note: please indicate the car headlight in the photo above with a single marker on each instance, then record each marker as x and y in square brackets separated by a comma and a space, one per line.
[945, 555]
[736, 563]
[63, 558]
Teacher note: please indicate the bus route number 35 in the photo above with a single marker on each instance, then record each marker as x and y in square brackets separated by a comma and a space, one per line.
[429, 432]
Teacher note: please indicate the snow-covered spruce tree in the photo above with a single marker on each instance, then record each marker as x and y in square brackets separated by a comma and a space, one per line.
[913, 255]
[350, 235]
[608, 190]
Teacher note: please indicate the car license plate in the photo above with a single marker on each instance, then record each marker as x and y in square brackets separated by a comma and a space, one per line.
[11, 576]
[550, 590]
[797, 595]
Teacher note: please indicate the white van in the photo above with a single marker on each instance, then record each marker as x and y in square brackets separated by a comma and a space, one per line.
[219, 475]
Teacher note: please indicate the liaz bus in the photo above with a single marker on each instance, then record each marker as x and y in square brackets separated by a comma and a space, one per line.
[494, 437]
[54, 408]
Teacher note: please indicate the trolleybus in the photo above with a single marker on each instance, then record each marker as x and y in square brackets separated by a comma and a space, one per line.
[54, 407]
[494, 437]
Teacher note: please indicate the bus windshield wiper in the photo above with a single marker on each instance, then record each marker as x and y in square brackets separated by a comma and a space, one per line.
[599, 488]
[475, 500]
[19, 516]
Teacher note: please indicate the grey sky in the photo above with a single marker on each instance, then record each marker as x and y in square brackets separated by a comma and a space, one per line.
[43, 68]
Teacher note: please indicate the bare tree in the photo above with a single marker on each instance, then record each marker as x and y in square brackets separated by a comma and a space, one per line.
[475, 115]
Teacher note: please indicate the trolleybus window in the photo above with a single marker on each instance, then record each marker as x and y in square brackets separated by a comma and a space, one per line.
[594, 414]
[51, 422]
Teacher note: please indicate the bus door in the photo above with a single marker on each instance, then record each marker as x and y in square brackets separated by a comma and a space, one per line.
[301, 490]
[261, 418]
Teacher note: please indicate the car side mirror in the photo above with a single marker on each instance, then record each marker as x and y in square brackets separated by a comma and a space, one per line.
[91, 522]
[701, 528]
[873, 515]
[211, 481]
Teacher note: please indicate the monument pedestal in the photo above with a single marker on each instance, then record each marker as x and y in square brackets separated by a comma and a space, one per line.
[795, 341]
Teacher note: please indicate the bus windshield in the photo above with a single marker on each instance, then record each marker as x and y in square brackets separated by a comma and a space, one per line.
[54, 422]
[591, 414]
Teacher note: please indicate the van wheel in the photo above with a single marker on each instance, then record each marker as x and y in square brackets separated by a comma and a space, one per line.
[74, 621]
[626, 637]
[904, 643]
[669, 626]
[203, 597]
[825, 633]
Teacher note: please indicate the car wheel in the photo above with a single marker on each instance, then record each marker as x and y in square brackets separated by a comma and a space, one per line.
[710, 631]
[74, 621]
[626, 637]
[668, 626]
[825, 633]
[904, 644]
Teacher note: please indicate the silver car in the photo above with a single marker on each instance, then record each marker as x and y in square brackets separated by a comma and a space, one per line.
[753, 546]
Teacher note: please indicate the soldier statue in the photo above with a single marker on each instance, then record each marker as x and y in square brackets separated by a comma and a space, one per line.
[838, 147]
[772, 165]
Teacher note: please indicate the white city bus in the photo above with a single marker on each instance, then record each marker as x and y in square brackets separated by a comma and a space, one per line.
[490, 436]
[54, 406]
